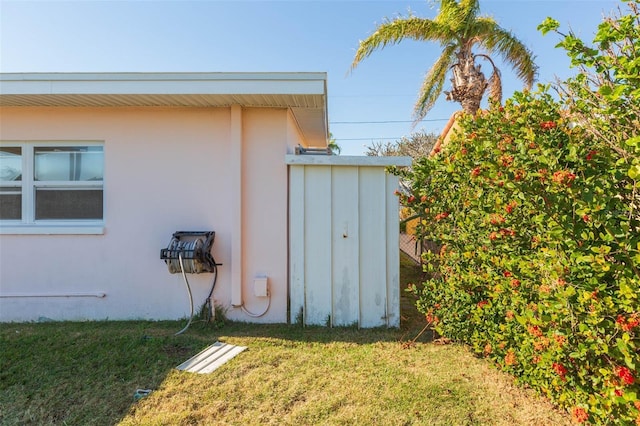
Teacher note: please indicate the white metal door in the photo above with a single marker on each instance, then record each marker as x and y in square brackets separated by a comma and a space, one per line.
[343, 241]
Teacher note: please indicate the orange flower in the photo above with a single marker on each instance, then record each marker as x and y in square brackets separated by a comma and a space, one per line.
[543, 175]
[563, 176]
[506, 160]
[496, 219]
[628, 324]
[535, 330]
[560, 369]
[487, 349]
[558, 177]
[579, 415]
[547, 125]
[625, 374]
[512, 205]
[510, 358]
[508, 232]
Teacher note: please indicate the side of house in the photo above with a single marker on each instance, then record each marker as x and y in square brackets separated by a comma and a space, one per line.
[147, 155]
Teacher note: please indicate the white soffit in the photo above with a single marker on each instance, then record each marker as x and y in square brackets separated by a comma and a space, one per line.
[304, 93]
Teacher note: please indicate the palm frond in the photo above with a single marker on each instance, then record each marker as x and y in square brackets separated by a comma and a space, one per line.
[469, 10]
[449, 12]
[458, 28]
[433, 83]
[495, 86]
[394, 31]
[472, 7]
[458, 14]
[496, 39]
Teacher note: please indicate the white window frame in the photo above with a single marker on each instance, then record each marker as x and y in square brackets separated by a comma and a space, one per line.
[28, 224]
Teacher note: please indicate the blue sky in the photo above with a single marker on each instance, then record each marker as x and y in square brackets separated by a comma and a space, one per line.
[290, 36]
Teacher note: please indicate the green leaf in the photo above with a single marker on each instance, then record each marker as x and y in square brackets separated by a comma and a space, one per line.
[605, 90]
[634, 141]
[549, 24]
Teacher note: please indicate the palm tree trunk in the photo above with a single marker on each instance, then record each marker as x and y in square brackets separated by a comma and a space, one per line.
[469, 83]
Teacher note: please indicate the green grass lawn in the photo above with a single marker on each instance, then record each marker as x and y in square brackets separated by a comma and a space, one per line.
[87, 373]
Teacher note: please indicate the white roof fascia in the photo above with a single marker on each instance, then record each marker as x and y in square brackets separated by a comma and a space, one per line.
[163, 83]
[305, 93]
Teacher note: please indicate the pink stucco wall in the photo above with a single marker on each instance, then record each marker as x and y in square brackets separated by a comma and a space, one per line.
[166, 169]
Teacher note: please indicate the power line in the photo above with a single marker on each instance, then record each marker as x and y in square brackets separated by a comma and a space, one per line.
[367, 139]
[385, 121]
[372, 96]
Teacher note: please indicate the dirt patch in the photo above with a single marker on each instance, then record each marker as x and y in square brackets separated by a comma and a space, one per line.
[175, 350]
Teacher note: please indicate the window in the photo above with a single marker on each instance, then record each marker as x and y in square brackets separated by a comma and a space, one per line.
[51, 184]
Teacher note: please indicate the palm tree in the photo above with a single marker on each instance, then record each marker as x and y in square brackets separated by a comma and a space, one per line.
[333, 146]
[458, 29]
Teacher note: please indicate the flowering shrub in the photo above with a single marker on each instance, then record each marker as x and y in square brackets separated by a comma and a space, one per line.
[538, 269]
[535, 206]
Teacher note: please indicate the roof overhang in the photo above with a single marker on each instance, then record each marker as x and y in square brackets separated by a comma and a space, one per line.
[305, 94]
